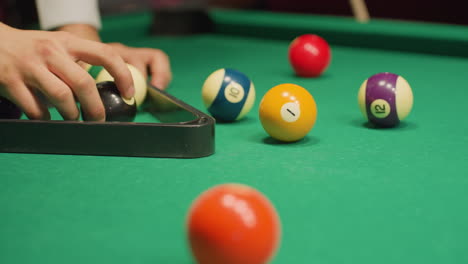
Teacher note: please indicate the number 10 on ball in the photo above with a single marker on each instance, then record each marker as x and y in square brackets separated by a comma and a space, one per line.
[228, 95]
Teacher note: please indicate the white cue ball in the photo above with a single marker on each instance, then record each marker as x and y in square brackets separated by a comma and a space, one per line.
[139, 81]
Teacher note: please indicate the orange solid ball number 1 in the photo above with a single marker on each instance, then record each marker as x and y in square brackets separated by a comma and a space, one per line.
[233, 224]
[288, 112]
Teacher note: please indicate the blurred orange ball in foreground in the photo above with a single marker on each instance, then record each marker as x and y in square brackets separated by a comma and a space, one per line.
[233, 224]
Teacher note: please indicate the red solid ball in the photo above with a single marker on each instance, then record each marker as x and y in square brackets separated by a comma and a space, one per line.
[309, 55]
[233, 224]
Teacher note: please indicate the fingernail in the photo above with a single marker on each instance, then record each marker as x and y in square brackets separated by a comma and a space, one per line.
[130, 93]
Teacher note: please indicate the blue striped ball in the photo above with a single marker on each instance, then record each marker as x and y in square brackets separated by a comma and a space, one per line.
[228, 94]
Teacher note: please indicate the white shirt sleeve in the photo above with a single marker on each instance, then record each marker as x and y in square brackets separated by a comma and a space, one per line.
[56, 13]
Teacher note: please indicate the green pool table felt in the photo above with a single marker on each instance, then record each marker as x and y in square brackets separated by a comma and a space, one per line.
[347, 193]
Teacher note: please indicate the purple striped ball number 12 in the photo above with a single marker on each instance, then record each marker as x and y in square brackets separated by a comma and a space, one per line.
[385, 99]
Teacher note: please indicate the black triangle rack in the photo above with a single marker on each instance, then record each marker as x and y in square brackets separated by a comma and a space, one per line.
[183, 132]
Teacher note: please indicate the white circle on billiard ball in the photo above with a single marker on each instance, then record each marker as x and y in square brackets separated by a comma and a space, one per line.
[380, 108]
[129, 101]
[234, 92]
[290, 112]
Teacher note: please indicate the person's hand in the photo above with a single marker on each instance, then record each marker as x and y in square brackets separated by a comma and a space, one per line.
[46, 62]
[149, 61]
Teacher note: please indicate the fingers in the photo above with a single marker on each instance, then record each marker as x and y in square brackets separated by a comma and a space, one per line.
[101, 54]
[141, 66]
[82, 85]
[160, 69]
[23, 97]
[149, 61]
[51, 66]
[57, 93]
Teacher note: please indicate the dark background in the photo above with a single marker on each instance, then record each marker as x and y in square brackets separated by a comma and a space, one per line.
[21, 13]
[440, 11]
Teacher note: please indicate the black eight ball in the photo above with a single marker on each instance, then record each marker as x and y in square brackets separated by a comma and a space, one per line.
[117, 108]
